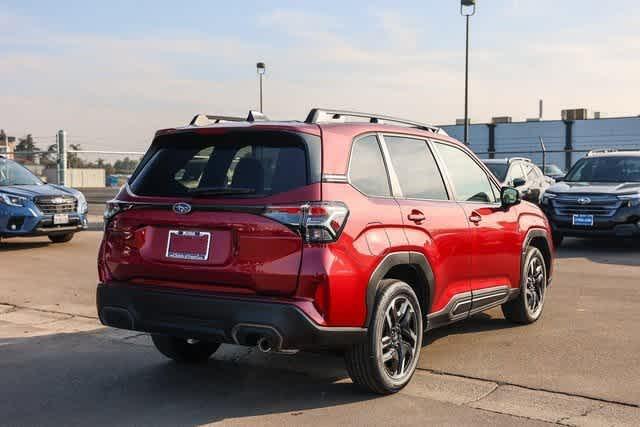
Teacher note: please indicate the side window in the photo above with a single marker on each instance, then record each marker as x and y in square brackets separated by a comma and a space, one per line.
[532, 173]
[516, 172]
[367, 171]
[416, 168]
[470, 181]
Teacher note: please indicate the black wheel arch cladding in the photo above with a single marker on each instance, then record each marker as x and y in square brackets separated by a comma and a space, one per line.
[414, 260]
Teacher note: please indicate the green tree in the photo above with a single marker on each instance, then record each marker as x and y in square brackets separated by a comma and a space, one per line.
[27, 146]
[125, 166]
[73, 160]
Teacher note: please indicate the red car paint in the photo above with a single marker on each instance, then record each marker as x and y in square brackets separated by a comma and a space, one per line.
[469, 246]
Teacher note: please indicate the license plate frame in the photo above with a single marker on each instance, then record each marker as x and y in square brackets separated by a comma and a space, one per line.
[186, 255]
[60, 219]
[582, 220]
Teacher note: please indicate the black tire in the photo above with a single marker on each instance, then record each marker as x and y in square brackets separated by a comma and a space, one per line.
[365, 361]
[533, 289]
[61, 238]
[183, 351]
[557, 239]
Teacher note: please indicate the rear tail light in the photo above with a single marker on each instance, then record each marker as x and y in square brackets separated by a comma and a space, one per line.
[318, 222]
[112, 209]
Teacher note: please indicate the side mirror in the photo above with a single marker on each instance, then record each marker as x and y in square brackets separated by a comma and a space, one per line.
[519, 182]
[560, 179]
[509, 196]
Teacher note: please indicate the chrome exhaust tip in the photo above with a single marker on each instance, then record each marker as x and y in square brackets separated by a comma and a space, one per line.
[264, 345]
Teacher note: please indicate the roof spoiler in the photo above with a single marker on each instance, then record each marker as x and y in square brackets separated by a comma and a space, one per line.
[208, 119]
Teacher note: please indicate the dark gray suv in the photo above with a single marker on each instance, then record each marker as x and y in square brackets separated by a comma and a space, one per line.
[600, 196]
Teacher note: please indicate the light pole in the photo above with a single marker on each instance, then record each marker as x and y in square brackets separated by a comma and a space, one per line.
[467, 9]
[262, 68]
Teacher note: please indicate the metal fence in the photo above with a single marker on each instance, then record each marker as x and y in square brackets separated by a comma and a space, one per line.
[66, 164]
[69, 164]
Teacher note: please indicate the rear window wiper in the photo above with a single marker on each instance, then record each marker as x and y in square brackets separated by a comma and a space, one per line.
[226, 191]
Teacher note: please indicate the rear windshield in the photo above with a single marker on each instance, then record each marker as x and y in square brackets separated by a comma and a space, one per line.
[237, 164]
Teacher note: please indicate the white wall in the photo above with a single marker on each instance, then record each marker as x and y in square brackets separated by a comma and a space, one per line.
[78, 178]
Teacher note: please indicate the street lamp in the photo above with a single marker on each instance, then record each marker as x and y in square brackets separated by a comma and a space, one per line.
[262, 68]
[467, 9]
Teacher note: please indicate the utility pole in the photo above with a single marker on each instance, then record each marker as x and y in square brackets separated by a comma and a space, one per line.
[467, 9]
[61, 140]
[262, 69]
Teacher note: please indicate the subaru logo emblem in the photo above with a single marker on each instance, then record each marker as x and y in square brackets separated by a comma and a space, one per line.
[584, 200]
[182, 208]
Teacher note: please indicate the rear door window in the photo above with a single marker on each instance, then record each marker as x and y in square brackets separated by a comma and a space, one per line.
[367, 171]
[235, 165]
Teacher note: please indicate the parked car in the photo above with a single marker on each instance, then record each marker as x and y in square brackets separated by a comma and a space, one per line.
[324, 234]
[29, 207]
[600, 196]
[553, 171]
[520, 173]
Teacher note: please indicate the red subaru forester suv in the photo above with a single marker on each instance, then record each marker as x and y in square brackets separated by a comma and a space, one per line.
[350, 231]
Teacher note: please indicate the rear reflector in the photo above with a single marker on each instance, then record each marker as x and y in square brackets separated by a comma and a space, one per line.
[319, 222]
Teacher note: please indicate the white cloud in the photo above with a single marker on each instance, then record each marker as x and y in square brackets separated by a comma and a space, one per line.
[115, 92]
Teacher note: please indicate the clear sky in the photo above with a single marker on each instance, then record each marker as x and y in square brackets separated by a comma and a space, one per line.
[111, 73]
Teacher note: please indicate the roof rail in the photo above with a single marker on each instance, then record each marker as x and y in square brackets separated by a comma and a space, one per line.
[206, 119]
[315, 116]
[602, 151]
[613, 150]
[524, 159]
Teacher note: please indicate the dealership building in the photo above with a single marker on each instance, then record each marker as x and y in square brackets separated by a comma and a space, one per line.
[565, 141]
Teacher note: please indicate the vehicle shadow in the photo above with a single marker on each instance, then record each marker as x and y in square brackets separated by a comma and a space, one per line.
[81, 379]
[9, 245]
[480, 322]
[602, 251]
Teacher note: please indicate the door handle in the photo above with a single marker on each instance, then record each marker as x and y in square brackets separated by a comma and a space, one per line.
[416, 216]
[475, 217]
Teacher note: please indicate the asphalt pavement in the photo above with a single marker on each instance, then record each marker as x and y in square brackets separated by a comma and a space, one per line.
[577, 366]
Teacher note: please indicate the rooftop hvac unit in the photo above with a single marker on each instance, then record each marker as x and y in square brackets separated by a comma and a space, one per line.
[575, 114]
[503, 119]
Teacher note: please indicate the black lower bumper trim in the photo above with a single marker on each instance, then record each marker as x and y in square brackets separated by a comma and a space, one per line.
[216, 318]
[621, 230]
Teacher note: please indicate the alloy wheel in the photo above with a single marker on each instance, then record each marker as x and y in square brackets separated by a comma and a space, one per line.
[400, 341]
[535, 286]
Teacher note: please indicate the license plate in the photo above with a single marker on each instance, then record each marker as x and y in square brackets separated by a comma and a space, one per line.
[189, 245]
[60, 219]
[583, 220]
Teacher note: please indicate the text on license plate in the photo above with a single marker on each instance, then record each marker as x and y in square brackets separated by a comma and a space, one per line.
[60, 219]
[583, 220]
[189, 245]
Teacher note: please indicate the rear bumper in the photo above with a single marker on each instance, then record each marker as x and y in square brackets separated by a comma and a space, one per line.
[217, 318]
